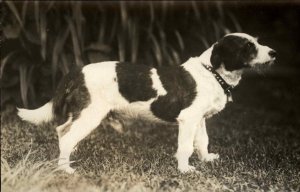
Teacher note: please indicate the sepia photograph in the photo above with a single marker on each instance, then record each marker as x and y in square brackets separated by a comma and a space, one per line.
[146, 96]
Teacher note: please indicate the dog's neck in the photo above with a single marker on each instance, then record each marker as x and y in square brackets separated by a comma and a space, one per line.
[231, 77]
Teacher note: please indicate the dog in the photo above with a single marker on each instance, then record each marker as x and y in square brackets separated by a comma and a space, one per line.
[186, 95]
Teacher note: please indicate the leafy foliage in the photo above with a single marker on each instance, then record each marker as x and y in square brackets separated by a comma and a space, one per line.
[44, 40]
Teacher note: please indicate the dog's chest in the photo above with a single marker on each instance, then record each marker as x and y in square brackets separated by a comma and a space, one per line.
[216, 103]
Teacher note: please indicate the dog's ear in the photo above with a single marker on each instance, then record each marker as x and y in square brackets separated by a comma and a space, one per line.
[216, 57]
[230, 52]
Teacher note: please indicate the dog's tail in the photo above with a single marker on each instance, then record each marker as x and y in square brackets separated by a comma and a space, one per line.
[39, 115]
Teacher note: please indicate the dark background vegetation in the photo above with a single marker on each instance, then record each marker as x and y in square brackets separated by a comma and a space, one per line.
[42, 41]
[257, 136]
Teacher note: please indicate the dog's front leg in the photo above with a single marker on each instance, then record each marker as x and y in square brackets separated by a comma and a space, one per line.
[201, 143]
[185, 149]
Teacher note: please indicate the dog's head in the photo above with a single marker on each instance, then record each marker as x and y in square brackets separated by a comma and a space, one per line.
[239, 50]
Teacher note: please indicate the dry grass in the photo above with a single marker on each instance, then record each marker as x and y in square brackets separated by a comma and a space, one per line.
[258, 143]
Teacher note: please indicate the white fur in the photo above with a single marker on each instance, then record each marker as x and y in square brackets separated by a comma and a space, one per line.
[205, 56]
[244, 35]
[262, 56]
[156, 83]
[37, 116]
[101, 82]
[231, 77]
[62, 128]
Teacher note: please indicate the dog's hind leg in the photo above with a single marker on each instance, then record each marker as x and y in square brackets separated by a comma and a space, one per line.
[113, 121]
[88, 120]
[62, 129]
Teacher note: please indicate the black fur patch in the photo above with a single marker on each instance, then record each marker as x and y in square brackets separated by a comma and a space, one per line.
[135, 83]
[71, 96]
[181, 91]
[234, 51]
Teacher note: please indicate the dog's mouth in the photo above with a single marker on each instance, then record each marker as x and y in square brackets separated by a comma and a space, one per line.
[260, 67]
[269, 63]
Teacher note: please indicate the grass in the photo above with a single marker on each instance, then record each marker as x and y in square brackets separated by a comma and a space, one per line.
[257, 139]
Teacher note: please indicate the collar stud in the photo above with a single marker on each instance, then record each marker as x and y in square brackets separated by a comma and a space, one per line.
[226, 87]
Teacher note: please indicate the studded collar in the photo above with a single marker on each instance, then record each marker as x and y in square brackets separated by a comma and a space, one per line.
[226, 87]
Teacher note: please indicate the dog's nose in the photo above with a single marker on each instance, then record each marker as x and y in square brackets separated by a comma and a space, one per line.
[272, 53]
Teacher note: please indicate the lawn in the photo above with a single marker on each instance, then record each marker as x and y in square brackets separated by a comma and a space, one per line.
[257, 137]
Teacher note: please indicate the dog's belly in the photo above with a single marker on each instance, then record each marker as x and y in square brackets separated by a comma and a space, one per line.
[137, 110]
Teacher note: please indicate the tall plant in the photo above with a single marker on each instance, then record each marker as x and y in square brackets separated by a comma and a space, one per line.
[45, 40]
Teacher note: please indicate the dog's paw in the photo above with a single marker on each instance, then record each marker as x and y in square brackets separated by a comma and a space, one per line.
[67, 169]
[70, 170]
[65, 166]
[187, 169]
[210, 157]
[117, 125]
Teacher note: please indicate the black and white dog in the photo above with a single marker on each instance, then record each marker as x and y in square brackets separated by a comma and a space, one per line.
[185, 94]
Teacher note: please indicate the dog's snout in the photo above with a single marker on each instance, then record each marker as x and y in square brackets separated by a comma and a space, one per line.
[272, 53]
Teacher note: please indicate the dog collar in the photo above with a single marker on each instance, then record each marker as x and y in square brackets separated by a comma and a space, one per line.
[226, 87]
